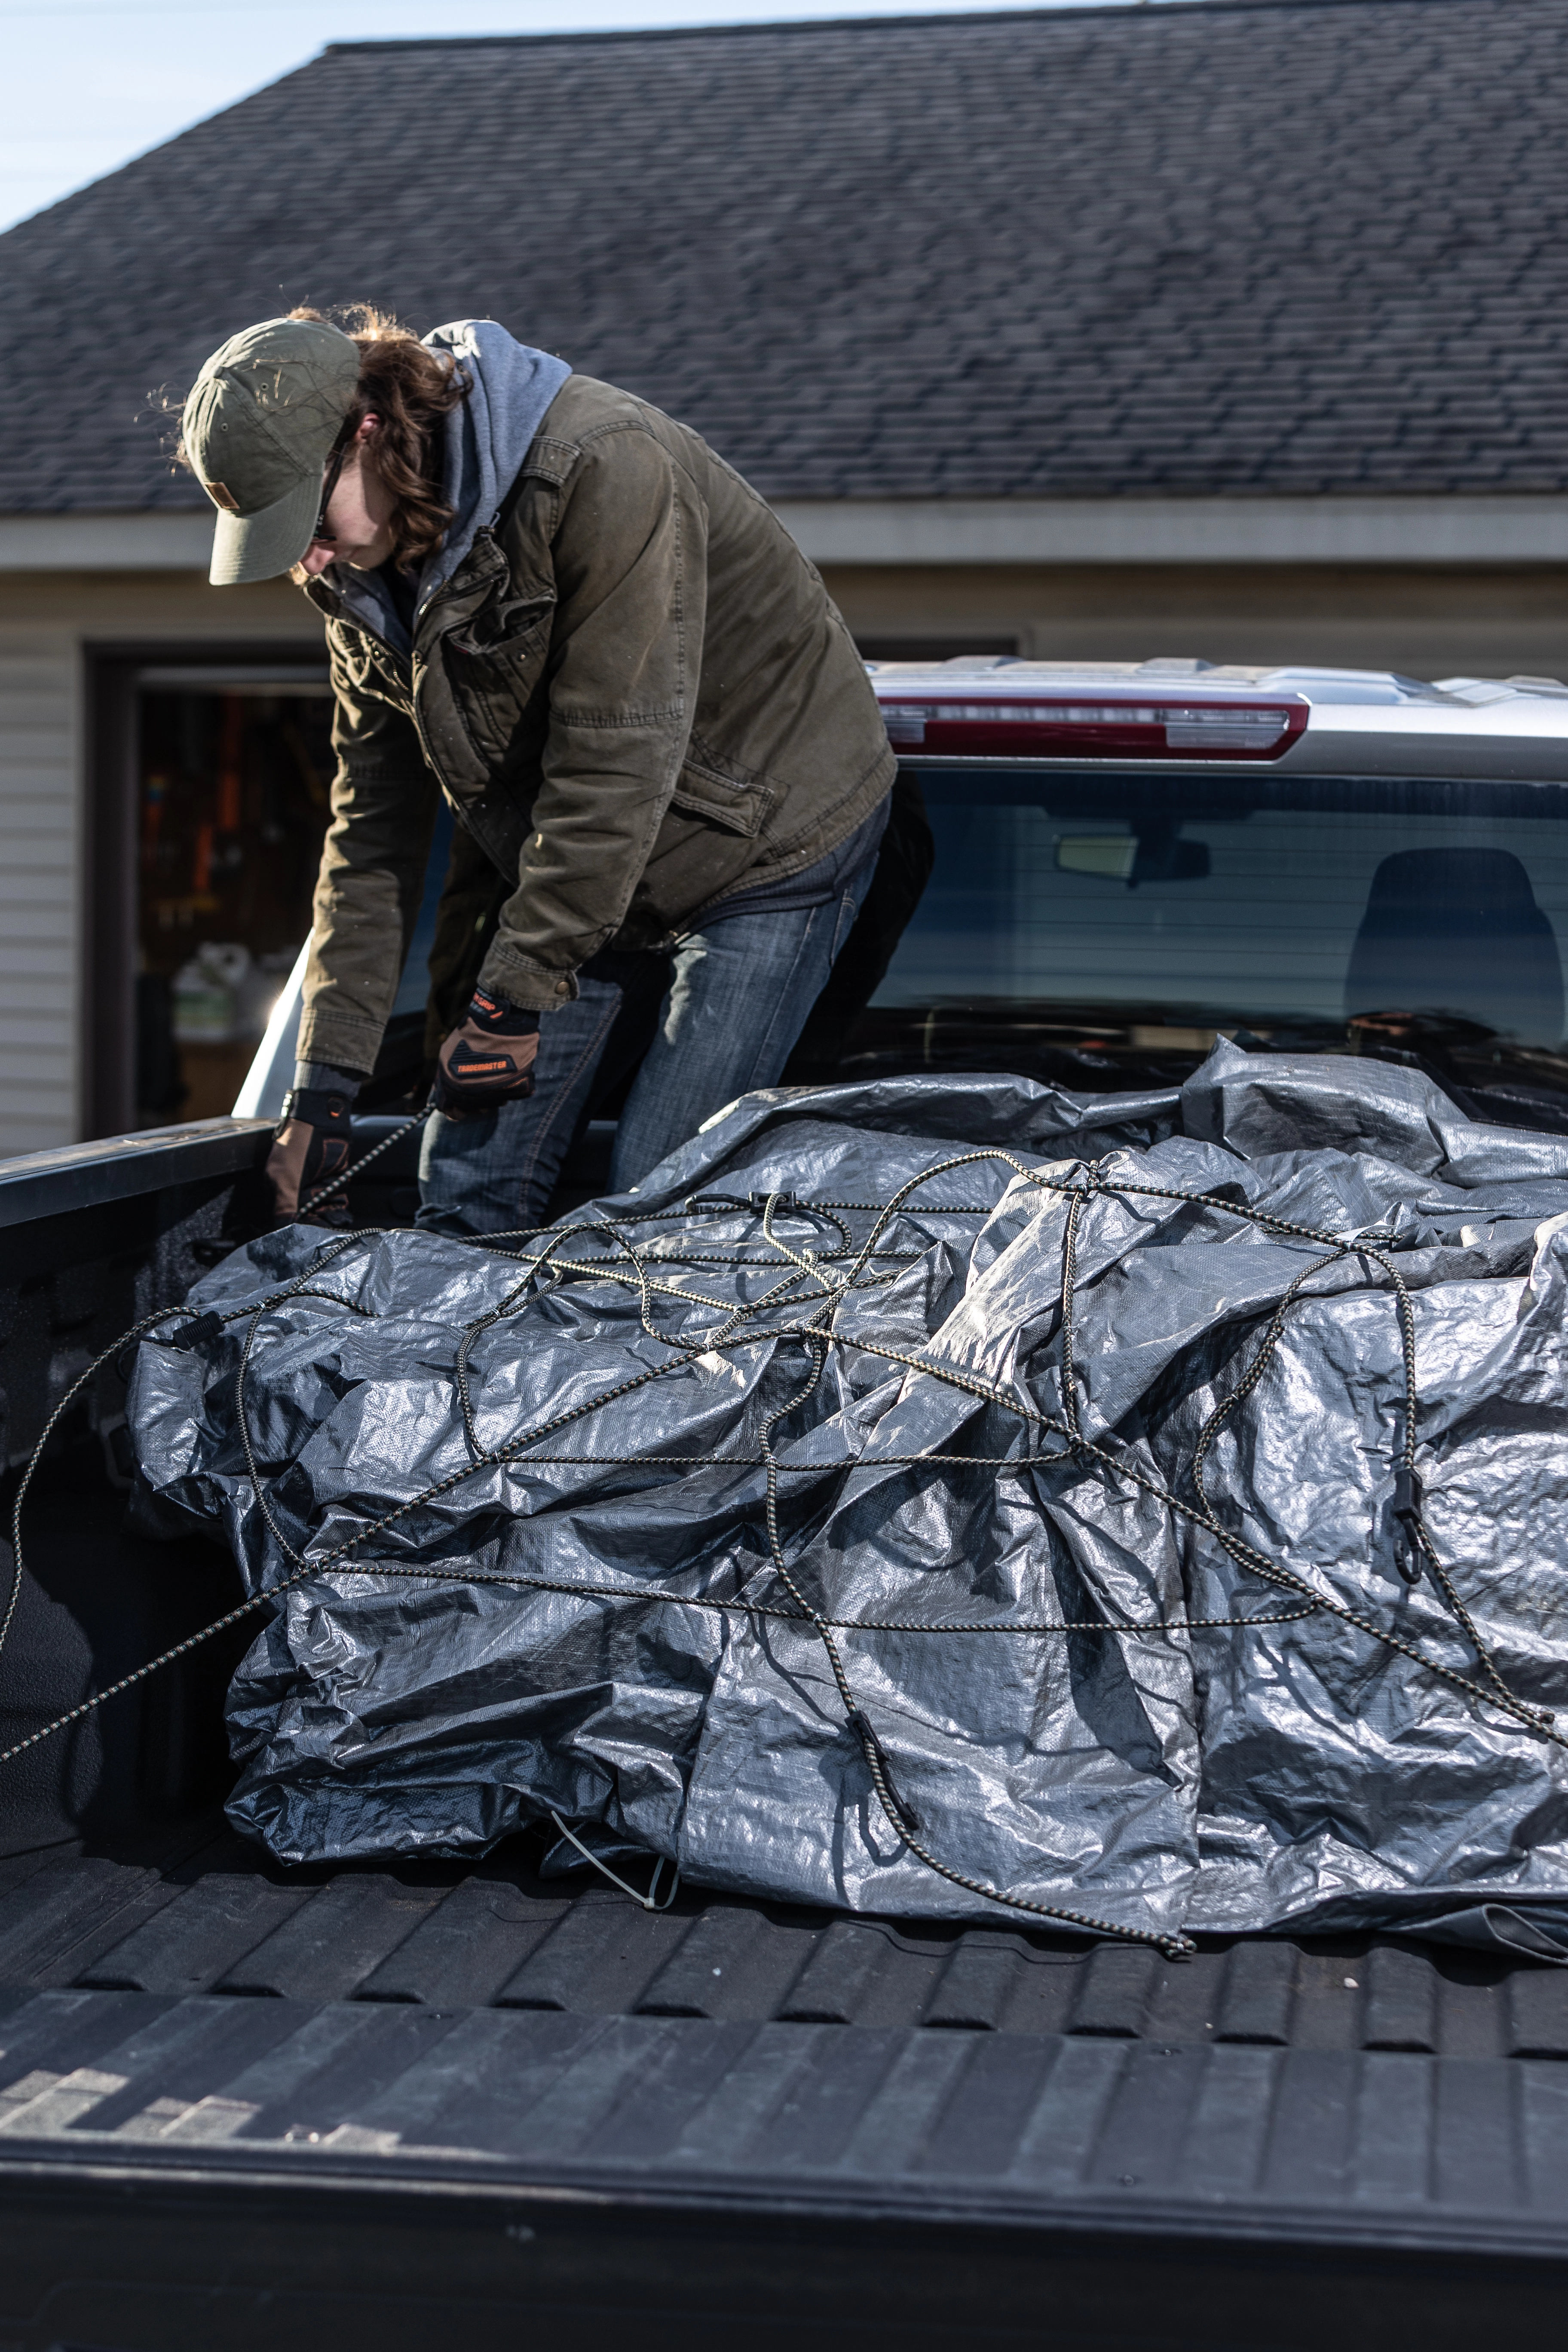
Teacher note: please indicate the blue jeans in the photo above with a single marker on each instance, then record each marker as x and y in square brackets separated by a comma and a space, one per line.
[736, 994]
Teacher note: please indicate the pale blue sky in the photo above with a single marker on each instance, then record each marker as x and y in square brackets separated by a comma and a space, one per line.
[87, 84]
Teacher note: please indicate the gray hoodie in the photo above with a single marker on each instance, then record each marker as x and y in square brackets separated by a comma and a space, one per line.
[511, 386]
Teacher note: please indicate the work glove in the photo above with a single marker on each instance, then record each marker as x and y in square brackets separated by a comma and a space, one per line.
[311, 1147]
[488, 1059]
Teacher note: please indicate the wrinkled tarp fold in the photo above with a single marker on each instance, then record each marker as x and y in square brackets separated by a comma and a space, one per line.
[1216, 1776]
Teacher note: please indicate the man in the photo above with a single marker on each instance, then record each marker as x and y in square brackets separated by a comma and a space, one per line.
[561, 609]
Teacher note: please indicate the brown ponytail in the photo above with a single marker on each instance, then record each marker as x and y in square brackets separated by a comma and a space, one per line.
[411, 391]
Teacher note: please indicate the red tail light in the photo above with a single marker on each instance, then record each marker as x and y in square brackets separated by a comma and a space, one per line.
[1053, 727]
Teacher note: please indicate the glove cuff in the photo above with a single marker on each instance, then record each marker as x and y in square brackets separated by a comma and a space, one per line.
[320, 1107]
[497, 1018]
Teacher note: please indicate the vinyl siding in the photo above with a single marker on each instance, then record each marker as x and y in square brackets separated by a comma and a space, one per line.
[40, 833]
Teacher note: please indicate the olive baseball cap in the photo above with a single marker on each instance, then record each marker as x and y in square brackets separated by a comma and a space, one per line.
[258, 428]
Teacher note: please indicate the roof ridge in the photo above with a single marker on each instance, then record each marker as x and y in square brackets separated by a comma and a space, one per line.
[1102, 11]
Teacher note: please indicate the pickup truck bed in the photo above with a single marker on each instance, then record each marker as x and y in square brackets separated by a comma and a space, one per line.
[251, 2105]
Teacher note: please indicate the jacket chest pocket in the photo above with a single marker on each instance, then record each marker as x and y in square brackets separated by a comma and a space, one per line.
[738, 805]
[493, 664]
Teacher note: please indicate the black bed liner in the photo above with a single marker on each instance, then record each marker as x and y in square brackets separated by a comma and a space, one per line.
[250, 2104]
[178, 2019]
[199, 1912]
[175, 2004]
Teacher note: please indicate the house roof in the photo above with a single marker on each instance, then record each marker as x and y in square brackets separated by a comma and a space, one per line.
[1236, 247]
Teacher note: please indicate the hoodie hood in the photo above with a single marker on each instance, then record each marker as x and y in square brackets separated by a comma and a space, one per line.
[490, 434]
[511, 386]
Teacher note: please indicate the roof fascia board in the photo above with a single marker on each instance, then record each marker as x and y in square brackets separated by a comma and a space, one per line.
[1436, 531]
[106, 542]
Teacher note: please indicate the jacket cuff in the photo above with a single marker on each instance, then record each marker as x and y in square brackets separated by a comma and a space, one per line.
[346, 1043]
[328, 1077]
[529, 985]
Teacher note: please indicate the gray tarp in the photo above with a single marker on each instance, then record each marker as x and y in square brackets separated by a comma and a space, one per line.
[1223, 1778]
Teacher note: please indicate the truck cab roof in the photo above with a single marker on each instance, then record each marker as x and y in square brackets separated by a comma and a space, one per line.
[1301, 715]
[1316, 683]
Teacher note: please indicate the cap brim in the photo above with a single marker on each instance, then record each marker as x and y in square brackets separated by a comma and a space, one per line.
[260, 546]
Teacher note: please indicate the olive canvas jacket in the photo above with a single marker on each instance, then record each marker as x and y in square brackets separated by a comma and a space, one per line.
[637, 696]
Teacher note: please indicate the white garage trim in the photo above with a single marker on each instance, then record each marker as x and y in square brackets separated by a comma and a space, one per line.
[106, 542]
[1459, 531]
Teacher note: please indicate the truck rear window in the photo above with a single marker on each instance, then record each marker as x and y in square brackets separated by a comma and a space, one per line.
[1102, 930]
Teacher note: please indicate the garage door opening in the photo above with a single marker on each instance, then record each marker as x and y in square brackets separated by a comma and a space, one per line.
[212, 772]
[233, 780]
[210, 768]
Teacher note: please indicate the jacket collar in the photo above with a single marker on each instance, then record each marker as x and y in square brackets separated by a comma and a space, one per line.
[358, 598]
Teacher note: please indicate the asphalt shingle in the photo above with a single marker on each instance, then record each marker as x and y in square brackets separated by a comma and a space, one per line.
[1238, 247]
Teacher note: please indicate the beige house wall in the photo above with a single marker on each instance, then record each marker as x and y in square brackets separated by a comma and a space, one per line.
[1488, 622]
[48, 623]
[1430, 621]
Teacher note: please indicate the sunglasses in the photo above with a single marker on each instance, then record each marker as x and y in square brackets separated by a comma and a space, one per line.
[329, 484]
